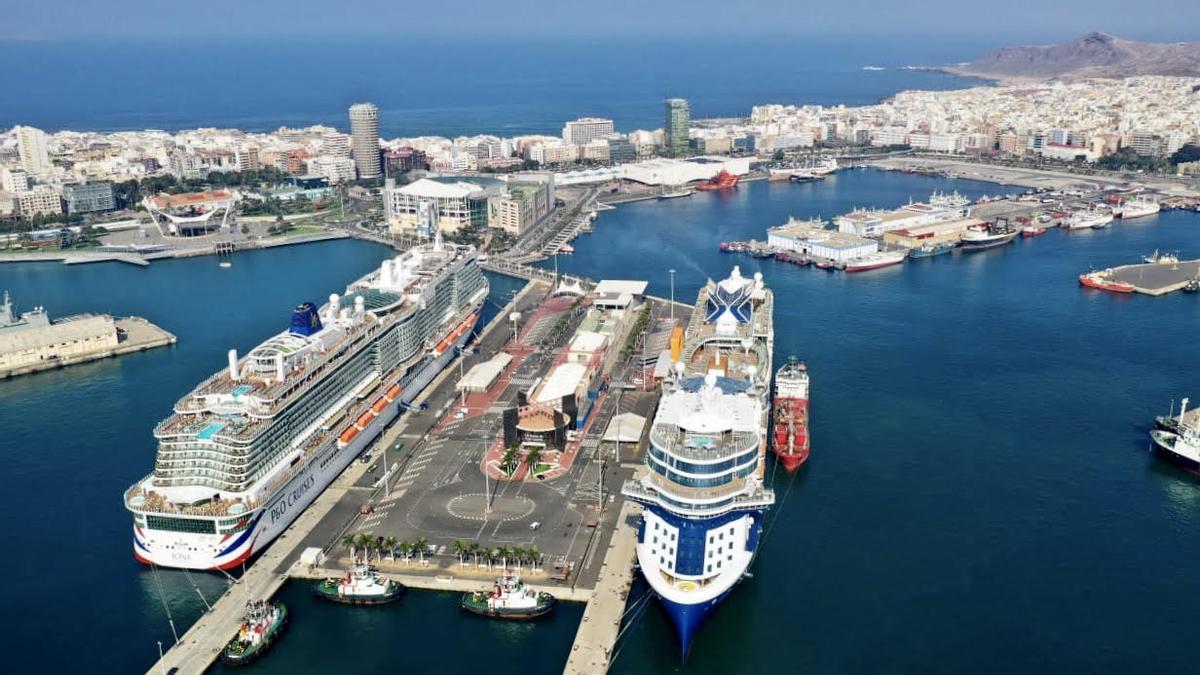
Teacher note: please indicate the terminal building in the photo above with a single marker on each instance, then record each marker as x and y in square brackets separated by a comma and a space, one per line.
[876, 222]
[453, 203]
[683, 171]
[810, 238]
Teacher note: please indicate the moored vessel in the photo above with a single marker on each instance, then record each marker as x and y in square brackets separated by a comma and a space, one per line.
[876, 260]
[1032, 231]
[510, 599]
[722, 181]
[982, 237]
[704, 496]
[1087, 219]
[262, 626]
[362, 585]
[247, 450]
[1138, 207]
[1101, 281]
[930, 250]
[789, 428]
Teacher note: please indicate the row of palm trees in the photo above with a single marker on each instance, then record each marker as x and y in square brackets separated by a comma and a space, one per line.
[512, 459]
[369, 545]
[504, 556]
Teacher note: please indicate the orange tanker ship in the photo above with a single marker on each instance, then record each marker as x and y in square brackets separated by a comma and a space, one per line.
[789, 430]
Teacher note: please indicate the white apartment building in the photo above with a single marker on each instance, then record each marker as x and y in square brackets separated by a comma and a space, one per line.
[335, 169]
[31, 144]
[586, 129]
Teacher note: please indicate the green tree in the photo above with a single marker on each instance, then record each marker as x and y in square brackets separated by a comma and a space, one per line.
[420, 546]
[350, 542]
[389, 545]
[1188, 153]
[460, 549]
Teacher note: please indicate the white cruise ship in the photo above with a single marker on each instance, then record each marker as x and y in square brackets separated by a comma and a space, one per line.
[704, 492]
[253, 445]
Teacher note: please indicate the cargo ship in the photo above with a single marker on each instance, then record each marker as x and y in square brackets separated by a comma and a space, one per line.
[789, 429]
[703, 491]
[721, 181]
[1100, 281]
[247, 450]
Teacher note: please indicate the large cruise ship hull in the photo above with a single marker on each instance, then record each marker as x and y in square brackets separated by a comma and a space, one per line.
[689, 604]
[224, 552]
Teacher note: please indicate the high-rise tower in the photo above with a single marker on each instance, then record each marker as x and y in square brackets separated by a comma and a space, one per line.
[676, 125]
[364, 139]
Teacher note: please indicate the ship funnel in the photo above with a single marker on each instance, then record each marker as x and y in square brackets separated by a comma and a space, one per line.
[233, 366]
[279, 367]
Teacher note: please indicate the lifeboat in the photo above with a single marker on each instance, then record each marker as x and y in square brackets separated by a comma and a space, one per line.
[393, 393]
[379, 406]
[364, 419]
[347, 436]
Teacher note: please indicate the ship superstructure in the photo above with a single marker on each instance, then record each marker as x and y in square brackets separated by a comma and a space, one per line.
[703, 491]
[250, 447]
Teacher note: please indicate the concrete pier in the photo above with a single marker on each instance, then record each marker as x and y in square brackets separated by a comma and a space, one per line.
[1157, 278]
[601, 623]
[140, 335]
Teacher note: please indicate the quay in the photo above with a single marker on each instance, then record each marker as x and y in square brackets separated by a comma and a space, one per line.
[134, 334]
[1156, 278]
[425, 479]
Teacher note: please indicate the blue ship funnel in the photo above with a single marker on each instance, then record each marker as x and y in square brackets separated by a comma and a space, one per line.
[305, 320]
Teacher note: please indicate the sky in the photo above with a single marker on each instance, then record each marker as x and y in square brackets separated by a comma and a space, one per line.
[1010, 20]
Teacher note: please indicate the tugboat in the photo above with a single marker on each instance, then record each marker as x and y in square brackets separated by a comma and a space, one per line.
[789, 432]
[362, 585]
[930, 250]
[510, 599]
[264, 622]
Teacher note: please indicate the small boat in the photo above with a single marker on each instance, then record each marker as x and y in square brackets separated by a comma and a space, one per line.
[1192, 286]
[676, 194]
[930, 250]
[780, 174]
[761, 252]
[567, 249]
[876, 260]
[791, 257]
[824, 264]
[362, 585]
[510, 598]
[263, 624]
[1100, 281]
[1032, 231]
[225, 264]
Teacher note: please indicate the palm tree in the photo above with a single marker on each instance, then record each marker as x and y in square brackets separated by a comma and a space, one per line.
[493, 555]
[405, 548]
[421, 545]
[389, 544]
[362, 542]
[460, 549]
[535, 558]
[476, 550]
[350, 541]
[532, 457]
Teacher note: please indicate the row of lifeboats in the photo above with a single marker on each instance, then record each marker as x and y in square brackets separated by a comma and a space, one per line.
[369, 416]
[459, 330]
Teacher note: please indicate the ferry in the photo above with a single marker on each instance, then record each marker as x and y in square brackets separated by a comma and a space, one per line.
[261, 627]
[704, 496]
[362, 585]
[1100, 281]
[789, 430]
[247, 450]
[510, 598]
[876, 260]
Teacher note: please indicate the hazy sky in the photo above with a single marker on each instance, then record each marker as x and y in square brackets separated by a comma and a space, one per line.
[531, 19]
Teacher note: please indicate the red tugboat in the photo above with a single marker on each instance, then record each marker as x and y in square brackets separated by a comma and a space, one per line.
[789, 432]
[721, 181]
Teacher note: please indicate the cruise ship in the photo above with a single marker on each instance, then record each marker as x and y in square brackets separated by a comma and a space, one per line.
[704, 492]
[249, 448]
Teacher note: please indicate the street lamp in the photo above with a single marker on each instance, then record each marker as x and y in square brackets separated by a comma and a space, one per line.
[672, 273]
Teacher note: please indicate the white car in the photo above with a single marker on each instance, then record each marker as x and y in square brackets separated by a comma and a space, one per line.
[534, 525]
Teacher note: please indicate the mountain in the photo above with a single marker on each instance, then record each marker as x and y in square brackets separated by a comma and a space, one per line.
[1093, 55]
